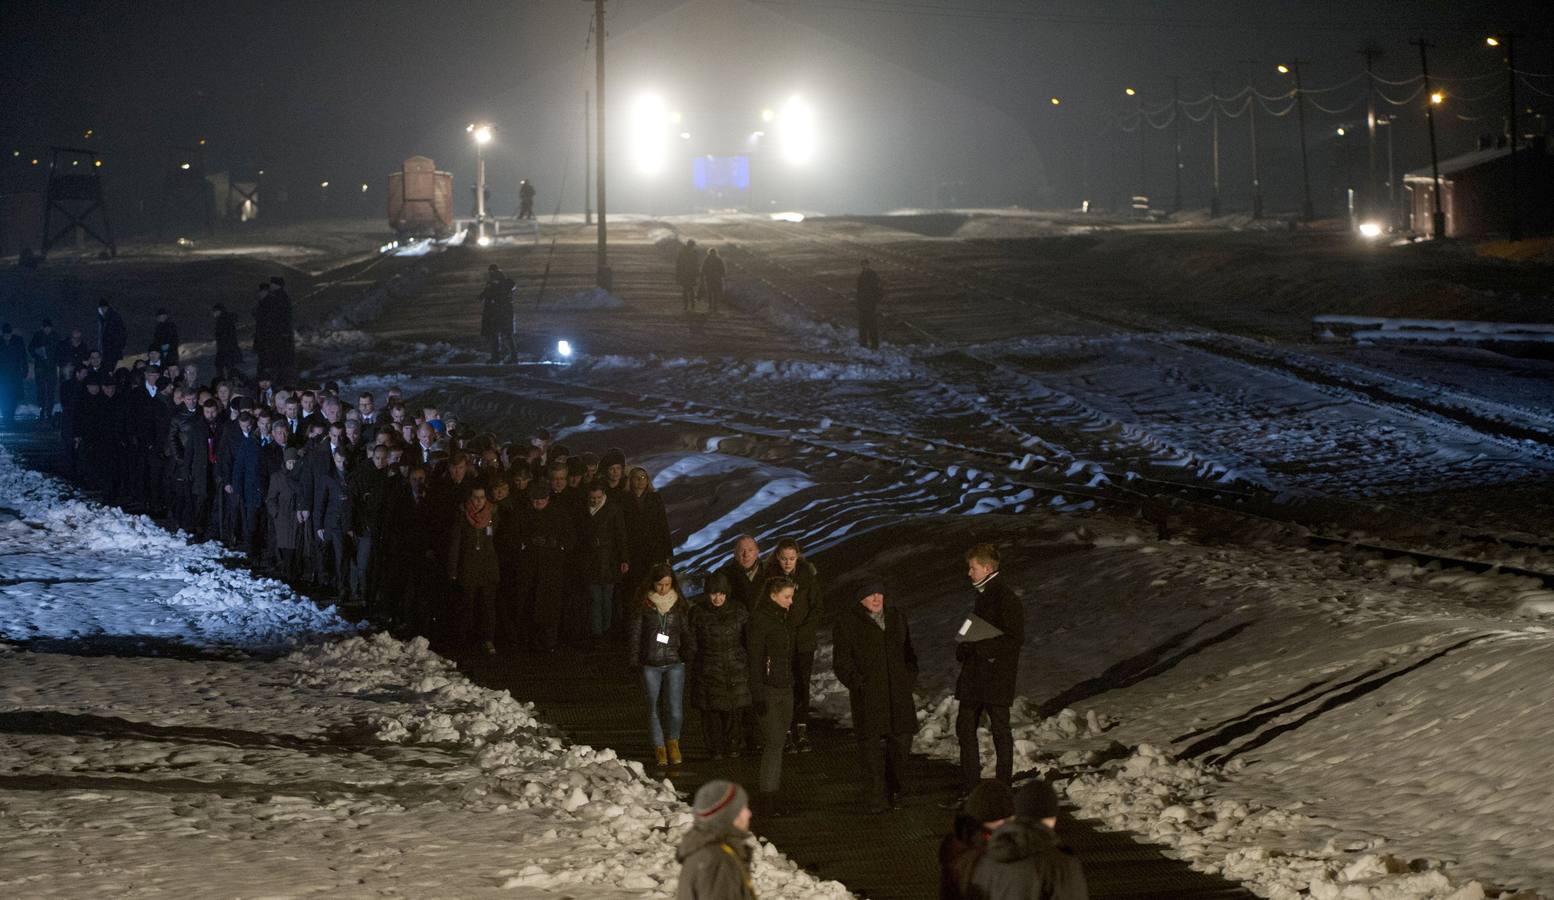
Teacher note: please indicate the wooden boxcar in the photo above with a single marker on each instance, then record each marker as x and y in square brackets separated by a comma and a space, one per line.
[420, 200]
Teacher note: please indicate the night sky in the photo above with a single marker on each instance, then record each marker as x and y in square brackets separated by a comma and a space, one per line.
[344, 90]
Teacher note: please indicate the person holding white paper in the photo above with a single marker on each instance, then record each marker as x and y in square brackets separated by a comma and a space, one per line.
[988, 648]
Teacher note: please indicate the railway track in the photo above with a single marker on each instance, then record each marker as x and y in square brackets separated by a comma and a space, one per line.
[1149, 497]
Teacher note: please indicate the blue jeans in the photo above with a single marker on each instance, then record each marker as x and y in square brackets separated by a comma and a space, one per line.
[600, 597]
[669, 680]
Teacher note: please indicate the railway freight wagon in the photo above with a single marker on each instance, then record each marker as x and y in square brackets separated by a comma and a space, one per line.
[420, 200]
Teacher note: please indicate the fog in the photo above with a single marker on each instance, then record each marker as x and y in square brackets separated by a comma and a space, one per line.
[912, 103]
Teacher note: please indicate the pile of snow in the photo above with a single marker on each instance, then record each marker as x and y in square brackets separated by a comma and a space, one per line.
[77, 569]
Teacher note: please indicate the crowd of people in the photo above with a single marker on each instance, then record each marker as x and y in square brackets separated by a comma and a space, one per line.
[493, 546]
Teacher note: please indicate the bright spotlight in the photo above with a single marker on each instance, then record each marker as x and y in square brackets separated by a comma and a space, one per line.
[649, 134]
[1129, 91]
[483, 134]
[1283, 69]
[323, 184]
[1341, 131]
[1056, 102]
[1492, 41]
[767, 115]
[1370, 230]
[184, 166]
[564, 349]
[796, 131]
[484, 240]
[685, 135]
[1437, 98]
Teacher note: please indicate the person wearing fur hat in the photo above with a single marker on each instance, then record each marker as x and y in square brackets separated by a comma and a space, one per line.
[720, 679]
[874, 660]
[714, 855]
[987, 808]
[1024, 857]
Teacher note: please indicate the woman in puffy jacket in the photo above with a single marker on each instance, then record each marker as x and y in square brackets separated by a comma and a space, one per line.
[659, 643]
[720, 675]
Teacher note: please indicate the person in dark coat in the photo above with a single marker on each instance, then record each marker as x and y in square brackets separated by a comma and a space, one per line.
[331, 519]
[987, 807]
[74, 349]
[496, 313]
[13, 373]
[989, 667]
[473, 566]
[743, 571]
[1024, 857]
[712, 273]
[870, 293]
[164, 338]
[368, 486]
[239, 470]
[43, 353]
[714, 855]
[687, 271]
[525, 199]
[150, 411]
[769, 641]
[720, 673]
[606, 560]
[280, 507]
[195, 467]
[874, 660]
[658, 642]
[111, 335]
[787, 562]
[547, 537]
[229, 353]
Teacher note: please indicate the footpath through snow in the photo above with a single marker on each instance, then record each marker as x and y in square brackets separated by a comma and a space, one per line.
[362, 766]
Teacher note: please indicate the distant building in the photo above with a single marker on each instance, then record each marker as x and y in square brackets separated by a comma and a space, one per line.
[1476, 190]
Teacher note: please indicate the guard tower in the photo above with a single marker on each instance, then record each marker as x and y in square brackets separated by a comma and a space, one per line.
[74, 200]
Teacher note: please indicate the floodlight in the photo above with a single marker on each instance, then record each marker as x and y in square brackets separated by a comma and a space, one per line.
[564, 349]
[796, 131]
[649, 134]
[1370, 230]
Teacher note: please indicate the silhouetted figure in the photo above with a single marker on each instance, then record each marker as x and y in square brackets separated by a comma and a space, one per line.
[870, 293]
[229, 353]
[111, 335]
[164, 338]
[687, 271]
[525, 199]
[712, 272]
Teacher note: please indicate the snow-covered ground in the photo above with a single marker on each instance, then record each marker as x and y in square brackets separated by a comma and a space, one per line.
[352, 766]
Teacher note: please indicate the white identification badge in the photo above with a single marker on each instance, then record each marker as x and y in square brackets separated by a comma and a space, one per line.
[663, 638]
[488, 531]
[964, 627]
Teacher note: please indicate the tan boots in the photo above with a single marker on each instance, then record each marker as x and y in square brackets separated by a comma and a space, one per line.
[674, 753]
[662, 755]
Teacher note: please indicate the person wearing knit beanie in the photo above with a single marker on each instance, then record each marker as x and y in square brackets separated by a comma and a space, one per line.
[990, 802]
[987, 807]
[1025, 857]
[714, 855]
[1037, 801]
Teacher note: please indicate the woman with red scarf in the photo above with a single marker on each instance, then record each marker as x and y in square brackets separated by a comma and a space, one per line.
[473, 566]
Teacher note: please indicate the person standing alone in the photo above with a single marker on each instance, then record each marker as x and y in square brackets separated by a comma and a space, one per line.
[989, 665]
[870, 293]
[875, 661]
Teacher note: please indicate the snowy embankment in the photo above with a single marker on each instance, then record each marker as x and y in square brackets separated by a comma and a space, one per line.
[354, 767]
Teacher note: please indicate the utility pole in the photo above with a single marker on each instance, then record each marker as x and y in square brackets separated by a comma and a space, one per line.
[1143, 158]
[1251, 116]
[1214, 111]
[604, 278]
[1307, 210]
[1176, 120]
[1510, 71]
[1372, 195]
[1438, 218]
[588, 152]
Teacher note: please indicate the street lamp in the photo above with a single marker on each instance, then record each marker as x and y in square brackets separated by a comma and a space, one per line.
[1307, 210]
[482, 135]
[1515, 229]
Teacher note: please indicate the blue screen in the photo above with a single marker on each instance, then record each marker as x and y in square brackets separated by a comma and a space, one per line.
[721, 173]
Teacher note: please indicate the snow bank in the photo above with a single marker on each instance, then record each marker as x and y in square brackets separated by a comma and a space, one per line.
[77, 569]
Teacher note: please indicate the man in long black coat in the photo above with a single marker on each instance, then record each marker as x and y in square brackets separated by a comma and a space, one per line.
[603, 543]
[547, 534]
[43, 351]
[111, 335]
[870, 293]
[875, 661]
[151, 434]
[229, 353]
[989, 667]
[164, 338]
[13, 372]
